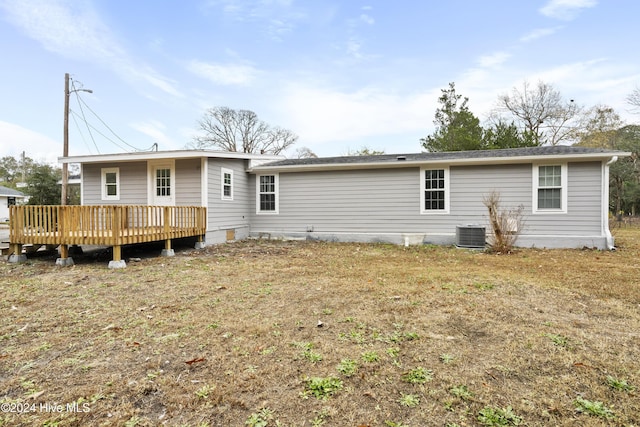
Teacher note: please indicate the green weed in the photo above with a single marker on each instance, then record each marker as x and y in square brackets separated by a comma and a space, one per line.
[447, 358]
[559, 340]
[620, 385]
[462, 392]
[347, 367]
[597, 409]
[260, 419]
[409, 400]
[322, 388]
[370, 356]
[203, 392]
[417, 375]
[483, 286]
[489, 416]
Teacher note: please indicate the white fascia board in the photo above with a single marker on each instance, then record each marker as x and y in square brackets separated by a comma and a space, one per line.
[447, 162]
[159, 155]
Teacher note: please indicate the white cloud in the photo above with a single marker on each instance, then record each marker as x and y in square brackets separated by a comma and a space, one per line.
[322, 115]
[538, 33]
[16, 139]
[232, 74]
[493, 60]
[74, 30]
[156, 130]
[566, 10]
[367, 19]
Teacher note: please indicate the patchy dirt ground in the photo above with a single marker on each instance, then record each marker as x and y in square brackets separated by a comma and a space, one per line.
[265, 333]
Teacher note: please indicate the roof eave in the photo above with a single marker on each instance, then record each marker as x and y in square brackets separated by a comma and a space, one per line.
[157, 155]
[449, 162]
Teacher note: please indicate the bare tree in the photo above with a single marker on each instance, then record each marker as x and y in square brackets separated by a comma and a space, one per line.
[599, 127]
[241, 130]
[633, 99]
[541, 112]
[305, 153]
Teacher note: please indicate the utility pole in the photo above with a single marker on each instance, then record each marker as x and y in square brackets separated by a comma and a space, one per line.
[65, 138]
[65, 142]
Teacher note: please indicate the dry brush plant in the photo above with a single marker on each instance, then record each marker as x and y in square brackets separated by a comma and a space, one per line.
[506, 224]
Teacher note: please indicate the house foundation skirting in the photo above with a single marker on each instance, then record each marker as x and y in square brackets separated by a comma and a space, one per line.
[226, 234]
[524, 241]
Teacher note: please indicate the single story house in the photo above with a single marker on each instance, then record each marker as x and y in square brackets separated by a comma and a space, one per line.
[9, 197]
[397, 198]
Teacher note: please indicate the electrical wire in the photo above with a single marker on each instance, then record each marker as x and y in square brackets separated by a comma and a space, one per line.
[73, 85]
[84, 140]
[81, 102]
[100, 133]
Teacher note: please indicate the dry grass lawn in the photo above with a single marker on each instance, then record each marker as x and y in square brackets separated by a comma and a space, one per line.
[263, 333]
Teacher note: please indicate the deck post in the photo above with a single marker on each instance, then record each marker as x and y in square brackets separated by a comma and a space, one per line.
[200, 243]
[64, 259]
[116, 222]
[62, 218]
[166, 218]
[15, 253]
[167, 251]
[117, 261]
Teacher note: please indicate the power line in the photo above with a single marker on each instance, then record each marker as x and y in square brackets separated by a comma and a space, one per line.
[73, 85]
[108, 127]
[100, 133]
[81, 102]
[73, 117]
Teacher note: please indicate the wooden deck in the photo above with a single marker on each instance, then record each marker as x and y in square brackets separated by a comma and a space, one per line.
[103, 225]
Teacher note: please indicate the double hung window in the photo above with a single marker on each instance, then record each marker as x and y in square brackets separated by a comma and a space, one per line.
[434, 195]
[110, 184]
[550, 188]
[267, 197]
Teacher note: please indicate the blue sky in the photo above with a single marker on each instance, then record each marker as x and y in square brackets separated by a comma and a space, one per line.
[342, 74]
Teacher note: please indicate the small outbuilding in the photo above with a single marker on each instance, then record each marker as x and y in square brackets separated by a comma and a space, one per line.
[9, 197]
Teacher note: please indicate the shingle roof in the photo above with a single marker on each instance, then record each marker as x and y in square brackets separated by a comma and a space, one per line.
[558, 150]
[4, 191]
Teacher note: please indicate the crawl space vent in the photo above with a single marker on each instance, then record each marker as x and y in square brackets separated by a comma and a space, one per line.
[470, 236]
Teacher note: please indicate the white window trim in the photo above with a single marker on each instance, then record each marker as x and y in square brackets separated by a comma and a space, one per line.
[277, 192]
[447, 193]
[224, 171]
[564, 189]
[103, 181]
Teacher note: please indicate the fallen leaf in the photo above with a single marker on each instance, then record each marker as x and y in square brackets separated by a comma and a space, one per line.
[582, 365]
[196, 360]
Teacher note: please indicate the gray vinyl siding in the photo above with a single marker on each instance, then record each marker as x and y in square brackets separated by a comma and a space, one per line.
[188, 182]
[387, 201]
[227, 214]
[133, 183]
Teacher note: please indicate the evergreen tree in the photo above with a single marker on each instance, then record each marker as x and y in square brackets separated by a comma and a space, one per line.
[457, 129]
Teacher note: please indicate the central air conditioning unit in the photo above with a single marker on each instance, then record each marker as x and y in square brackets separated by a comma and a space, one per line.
[471, 236]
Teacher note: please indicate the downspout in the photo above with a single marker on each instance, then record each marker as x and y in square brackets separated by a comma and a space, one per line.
[605, 204]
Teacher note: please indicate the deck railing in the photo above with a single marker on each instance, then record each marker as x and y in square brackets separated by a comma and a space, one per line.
[109, 225]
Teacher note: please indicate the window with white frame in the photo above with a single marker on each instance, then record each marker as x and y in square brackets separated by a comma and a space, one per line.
[163, 182]
[226, 177]
[434, 194]
[550, 188]
[111, 184]
[267, 197]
